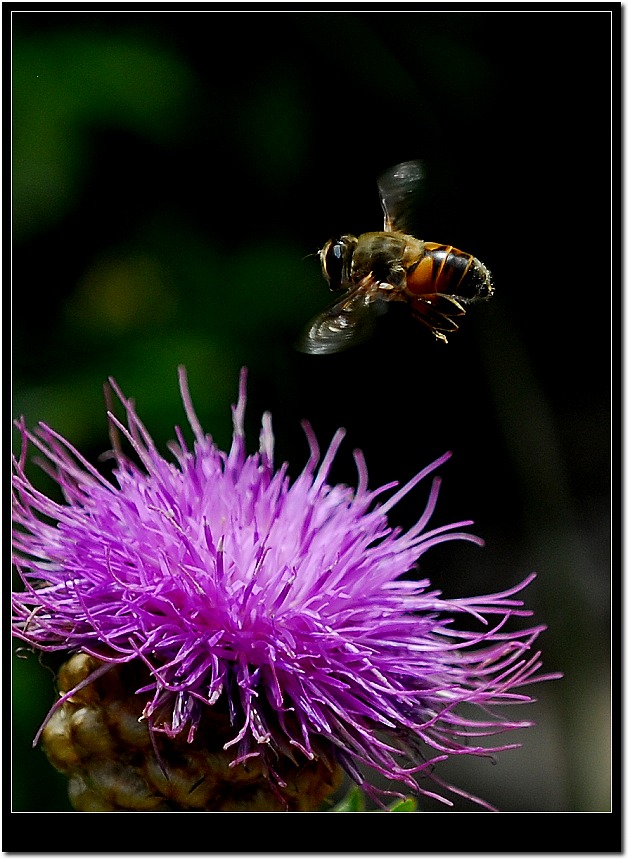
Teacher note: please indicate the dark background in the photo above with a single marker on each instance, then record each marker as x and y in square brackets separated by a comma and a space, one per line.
[174, 174]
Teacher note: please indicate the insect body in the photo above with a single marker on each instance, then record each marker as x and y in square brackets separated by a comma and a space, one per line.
[437, 282]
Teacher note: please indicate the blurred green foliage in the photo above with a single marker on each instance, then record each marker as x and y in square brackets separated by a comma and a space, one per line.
[173, 177]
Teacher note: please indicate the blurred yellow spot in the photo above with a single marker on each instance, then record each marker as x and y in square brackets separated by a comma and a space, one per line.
[120, 294]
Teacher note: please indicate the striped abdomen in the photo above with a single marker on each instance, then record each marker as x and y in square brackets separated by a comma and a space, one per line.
[444, 269]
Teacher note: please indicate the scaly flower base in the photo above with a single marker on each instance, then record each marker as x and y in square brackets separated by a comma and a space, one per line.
[97, 738]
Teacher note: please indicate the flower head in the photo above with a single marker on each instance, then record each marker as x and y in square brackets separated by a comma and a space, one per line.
[280, 600]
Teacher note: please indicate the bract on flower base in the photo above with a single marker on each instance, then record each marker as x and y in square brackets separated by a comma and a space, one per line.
[276, 605]
[99, 739]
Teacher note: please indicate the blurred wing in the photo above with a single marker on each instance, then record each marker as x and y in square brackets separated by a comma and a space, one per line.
[344, 324]
[398, 187]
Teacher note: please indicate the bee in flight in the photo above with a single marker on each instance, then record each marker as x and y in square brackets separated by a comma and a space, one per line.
[437, 282]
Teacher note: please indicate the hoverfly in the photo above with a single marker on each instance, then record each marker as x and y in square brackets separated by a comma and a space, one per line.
[437, 282]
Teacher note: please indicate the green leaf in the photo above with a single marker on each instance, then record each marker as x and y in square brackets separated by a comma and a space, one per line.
[354, 801]
[408, 805]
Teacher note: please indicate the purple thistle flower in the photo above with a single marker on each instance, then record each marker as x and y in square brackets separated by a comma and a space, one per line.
[284, 599]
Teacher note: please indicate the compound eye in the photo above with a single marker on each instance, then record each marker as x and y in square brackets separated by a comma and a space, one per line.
[336, 259]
